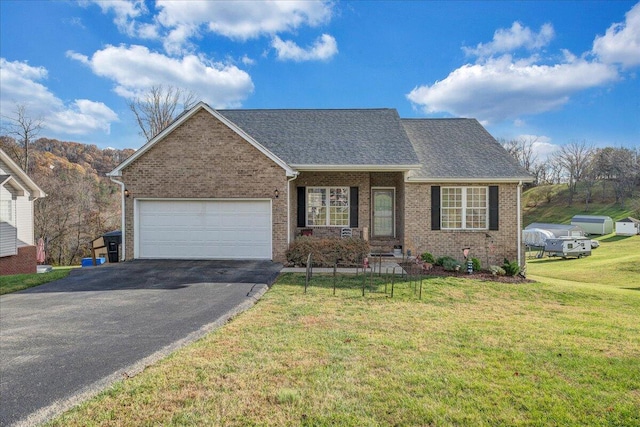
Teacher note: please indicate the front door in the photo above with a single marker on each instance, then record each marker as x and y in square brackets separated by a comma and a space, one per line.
[383, 212]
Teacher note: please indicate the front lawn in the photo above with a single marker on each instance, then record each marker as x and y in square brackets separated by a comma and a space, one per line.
[466, 353]
[18, 282]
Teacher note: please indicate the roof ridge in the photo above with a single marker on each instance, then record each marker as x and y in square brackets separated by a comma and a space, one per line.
[308, 109]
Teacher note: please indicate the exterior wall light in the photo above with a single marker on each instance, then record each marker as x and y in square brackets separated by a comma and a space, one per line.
[276, 193]
[126, 193]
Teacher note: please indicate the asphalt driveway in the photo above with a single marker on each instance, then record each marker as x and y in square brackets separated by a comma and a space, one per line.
[66, 340]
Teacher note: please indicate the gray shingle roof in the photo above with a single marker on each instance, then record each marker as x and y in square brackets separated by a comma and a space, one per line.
[329, 137]
[459, 149]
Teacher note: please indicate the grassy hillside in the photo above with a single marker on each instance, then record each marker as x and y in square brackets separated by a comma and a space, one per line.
[549, 203]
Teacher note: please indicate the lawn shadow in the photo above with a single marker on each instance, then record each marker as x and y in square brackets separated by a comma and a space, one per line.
[615, 238]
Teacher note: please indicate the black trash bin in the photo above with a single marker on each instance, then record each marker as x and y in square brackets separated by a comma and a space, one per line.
[112, 241]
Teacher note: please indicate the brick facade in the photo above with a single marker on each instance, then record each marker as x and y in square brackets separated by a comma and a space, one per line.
[204, 159]
[365, 181]
[490, 246]
[24, 262]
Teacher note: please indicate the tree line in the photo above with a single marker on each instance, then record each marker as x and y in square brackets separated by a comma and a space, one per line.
[81, 204]
[616, 171]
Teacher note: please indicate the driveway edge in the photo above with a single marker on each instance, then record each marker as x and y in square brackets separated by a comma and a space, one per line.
[56, 408]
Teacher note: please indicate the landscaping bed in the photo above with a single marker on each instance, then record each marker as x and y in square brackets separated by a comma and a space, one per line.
[483, 275]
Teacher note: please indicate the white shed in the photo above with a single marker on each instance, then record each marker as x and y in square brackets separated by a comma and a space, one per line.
[594, 224]
[628, 227]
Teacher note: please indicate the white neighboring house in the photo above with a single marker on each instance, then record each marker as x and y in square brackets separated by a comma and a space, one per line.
[17, 194]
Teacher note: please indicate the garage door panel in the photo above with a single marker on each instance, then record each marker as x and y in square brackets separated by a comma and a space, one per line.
[204, 229]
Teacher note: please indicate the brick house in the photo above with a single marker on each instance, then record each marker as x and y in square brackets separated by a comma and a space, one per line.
[17, 194]
[244, 183]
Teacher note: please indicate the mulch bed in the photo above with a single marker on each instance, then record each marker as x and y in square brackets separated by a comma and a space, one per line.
[476, 275]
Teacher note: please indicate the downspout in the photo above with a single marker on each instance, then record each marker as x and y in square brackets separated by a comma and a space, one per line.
[289, 208]
[519, 229]
[123, 216]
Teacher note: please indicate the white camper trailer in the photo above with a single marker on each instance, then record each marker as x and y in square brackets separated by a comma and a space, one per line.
[568, 247]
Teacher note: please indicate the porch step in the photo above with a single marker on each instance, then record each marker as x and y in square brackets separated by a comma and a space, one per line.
[383, 246]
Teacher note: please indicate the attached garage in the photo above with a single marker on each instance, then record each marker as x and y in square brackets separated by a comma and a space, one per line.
[203, 229]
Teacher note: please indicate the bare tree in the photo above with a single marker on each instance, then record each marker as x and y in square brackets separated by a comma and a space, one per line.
[625, 173]
[24, 129]
[574, 158]
[159, 106]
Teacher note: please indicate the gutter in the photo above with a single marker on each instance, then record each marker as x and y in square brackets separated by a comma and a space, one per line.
[519, 228]
[289, 207]
[123, 256]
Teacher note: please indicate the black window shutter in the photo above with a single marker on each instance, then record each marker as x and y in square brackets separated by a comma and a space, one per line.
[302, 208]
[435, 207]
[494, 218]
[353, 207]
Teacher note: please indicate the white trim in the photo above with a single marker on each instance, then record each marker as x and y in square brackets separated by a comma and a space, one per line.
[123, 255]
[354, 168]
[136, 214]
[186, 116]
[393, 210]
[289, 181]
[513, 180]
[519, 227]
[11, 181]
[35, 191]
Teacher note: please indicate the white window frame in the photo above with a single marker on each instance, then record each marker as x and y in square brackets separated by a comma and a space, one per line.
[464, 208]
[326, 205]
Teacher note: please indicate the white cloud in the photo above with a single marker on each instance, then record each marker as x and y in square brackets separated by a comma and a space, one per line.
[511, 39]
[621, 42]
[20, 84]
[502, 88]
[542, 146]
[243, 20]
[179, 21]
[322, 49]
[125, 11]
[83, 117]
[134, 69]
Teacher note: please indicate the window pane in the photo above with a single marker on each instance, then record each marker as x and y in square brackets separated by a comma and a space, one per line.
[451, 207]
[328, 206]
[316, 206]
[339, 206]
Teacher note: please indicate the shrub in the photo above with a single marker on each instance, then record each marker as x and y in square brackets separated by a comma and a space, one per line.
[511, 268]
[427, 257]
[496, 270]
[324, 252]
[440, 261]
[450, 264]
[477, 265]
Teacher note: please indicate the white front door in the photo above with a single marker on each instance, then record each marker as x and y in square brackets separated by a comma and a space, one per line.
[203, 229]
[383, 212]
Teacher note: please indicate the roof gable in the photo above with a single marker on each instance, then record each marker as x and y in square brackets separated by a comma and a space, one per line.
[185, 117]
[460, 150]
[18, 178]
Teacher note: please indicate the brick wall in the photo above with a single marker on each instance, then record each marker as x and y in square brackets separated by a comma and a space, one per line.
[24, 262]
[202, 159]
[364, 181]
[489, 246]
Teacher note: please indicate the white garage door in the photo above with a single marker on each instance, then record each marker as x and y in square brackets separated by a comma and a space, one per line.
[204, 229]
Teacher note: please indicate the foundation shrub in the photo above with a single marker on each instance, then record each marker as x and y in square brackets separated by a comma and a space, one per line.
[325, 251]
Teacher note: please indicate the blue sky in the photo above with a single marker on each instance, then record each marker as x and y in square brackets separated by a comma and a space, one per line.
[554, 71]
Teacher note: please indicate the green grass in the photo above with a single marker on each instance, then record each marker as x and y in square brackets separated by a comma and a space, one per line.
[18, 282]
[555, 352]
[555, 209]
[616, 263]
